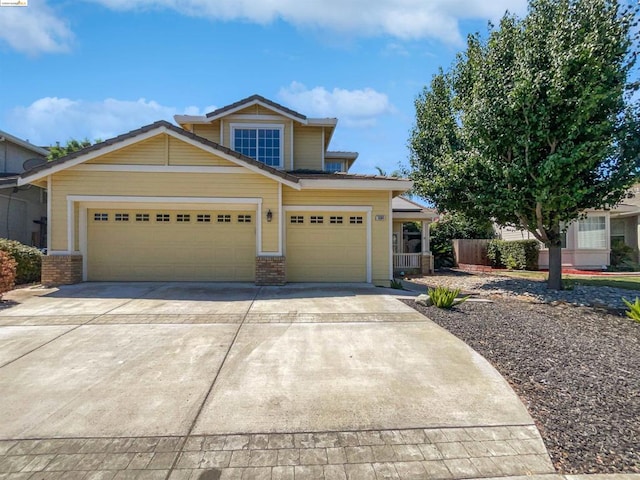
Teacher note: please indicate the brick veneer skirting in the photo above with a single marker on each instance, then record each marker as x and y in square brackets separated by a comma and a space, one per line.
[271, 271]
[61, 269]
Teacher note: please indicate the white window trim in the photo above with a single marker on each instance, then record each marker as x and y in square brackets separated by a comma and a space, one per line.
[336, 208]
[256, 126]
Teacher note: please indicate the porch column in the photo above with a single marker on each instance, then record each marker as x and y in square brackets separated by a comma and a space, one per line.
[426, 239]
[427, 258]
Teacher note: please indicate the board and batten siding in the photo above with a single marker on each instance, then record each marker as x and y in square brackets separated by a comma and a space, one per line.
[378, 200]
[74, 182]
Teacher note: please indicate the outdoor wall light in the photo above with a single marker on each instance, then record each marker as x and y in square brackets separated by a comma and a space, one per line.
[269, 215]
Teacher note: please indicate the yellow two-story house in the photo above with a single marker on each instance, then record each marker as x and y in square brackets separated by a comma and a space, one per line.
[249, 192]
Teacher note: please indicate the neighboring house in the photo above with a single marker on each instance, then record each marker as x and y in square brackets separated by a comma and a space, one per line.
[22, 208]
[249, 192]
[625, 221]
[587, 242]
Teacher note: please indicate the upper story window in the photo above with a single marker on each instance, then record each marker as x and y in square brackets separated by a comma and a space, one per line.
[263, 143]
[333, 167]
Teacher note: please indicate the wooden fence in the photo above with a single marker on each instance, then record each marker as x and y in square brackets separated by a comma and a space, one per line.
[471, 252]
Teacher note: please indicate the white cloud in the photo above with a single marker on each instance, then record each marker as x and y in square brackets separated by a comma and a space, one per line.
[52, 119]
[34, 29]
[395, 49]
[404, 19]
[355, 108]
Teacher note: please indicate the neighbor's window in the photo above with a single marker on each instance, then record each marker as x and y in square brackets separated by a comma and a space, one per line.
[100, 217]
[204, 218]
[163, 217]
[316, 219]
[297, 219]
[142, 217]
[355, 220]
[335, 220]
[592, 233]
[122, 217]
[224, 218]
[183, 217]
[263, 144]
[333, 167]
[244, 218]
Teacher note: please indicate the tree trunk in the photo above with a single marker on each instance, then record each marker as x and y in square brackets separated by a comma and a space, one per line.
[555, 268]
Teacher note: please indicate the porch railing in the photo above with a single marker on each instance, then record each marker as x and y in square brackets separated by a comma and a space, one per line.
[407, 261]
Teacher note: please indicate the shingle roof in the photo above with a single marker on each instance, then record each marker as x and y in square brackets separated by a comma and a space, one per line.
[153, 126]
[9, 181]
[258, 98]
[311, 174]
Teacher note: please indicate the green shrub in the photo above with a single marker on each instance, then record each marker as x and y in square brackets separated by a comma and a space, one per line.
[7, 272]
[621, 255]
[634, 309]
[397, 284]
[516, 255]
[443, 297]
[28, 259]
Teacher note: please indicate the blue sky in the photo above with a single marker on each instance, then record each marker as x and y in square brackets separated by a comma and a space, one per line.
[98, 68]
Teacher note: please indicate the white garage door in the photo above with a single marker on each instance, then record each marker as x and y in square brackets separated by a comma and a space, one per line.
[169, 245]
[326, 247]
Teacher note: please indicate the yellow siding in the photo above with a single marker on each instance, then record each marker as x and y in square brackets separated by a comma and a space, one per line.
[161, 150]
[70, 182]
[209, 131]
[380, 230]
[307, 148]
[181, 153]
[148, 152]
[255, 110]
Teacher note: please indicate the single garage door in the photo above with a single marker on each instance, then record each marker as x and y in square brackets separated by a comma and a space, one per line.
[170, 245]
[326, 247]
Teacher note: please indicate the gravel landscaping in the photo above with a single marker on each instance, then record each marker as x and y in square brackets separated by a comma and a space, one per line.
[577, 370]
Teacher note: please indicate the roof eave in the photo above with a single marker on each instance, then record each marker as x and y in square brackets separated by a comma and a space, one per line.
[150, 131]
[355, 184]
[24, 143]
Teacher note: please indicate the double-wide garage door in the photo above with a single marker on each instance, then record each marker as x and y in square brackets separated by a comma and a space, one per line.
[169, 245]
[326, 246]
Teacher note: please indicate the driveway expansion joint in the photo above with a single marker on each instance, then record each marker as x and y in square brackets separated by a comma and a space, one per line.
[215, 378]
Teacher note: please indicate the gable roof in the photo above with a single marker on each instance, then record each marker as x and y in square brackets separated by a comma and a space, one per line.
[23, 143]
[252, 100]
[255, 100]
[405, 205]
[148, 131]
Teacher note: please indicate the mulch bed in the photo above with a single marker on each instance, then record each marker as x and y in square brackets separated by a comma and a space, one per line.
[576, 369]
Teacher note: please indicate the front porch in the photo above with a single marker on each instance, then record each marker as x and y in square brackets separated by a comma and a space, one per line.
[410, 241]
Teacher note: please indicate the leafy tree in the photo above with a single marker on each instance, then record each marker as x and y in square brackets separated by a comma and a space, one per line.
[383, 173]
[73, 145]
[536, 123]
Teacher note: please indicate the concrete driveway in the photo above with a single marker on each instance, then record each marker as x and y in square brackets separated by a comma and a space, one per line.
[205, 360]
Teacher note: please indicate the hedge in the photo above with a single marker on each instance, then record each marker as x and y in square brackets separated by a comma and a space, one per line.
[7, 272]
[515, 255]
[28, 259]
